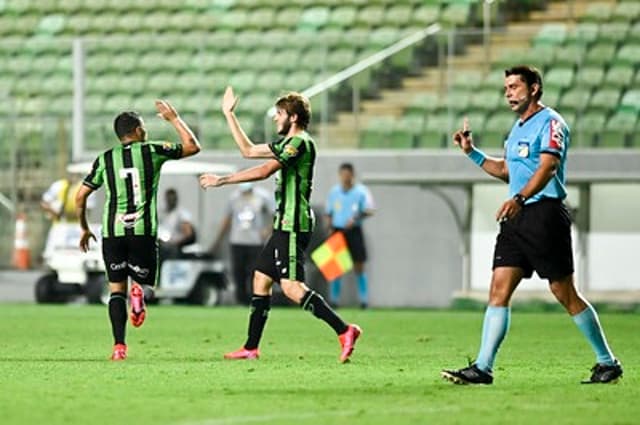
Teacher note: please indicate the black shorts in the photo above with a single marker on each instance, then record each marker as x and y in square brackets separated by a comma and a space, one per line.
[538, 238]
[355, 243]
[283, 256]
[134, 256]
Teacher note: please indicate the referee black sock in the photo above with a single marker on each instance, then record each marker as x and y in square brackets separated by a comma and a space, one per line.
[318, 307]
[118, 315]
[260, 306]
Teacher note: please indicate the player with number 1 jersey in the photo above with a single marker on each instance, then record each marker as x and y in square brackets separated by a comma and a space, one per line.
[130, 173]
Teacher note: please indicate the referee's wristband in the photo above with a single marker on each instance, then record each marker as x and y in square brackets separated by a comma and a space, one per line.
[477, 156]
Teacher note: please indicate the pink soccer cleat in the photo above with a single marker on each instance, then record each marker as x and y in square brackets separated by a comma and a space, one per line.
[138, 311]
[119, 352]
[348, 342]
[243, 354]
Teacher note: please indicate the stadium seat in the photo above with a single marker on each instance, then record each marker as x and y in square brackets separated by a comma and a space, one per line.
[631, 101]
[600, 54]
[613, 32]
[342, 17]
[589, 77]
[551, 34]
[628, 55]
[574, 100]
[437, 130]
[598, 12]
[588, 129]
[619, 76]
[487, 100]
[619, 130]
[584, 33]
[425, 14]
[313, 19]
[456, 14]
[559, 77]
[569, 55]
[406, 132]
[377, 133]
[604, 99]
[626, 10]
[423, 103]
[497, 128]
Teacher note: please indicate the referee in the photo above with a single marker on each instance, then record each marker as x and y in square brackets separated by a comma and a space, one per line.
[131, 171]
[535, 226]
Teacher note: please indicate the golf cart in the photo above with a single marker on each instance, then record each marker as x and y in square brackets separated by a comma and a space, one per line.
[193, 278]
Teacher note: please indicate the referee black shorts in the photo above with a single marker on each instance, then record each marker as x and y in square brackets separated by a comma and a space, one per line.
[131, 256]
[538, 238]
[355, 243]
[283, 256]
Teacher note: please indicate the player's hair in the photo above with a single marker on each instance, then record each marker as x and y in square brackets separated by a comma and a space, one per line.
[346, 166]
[529, 74]
[126, 123]
[296, 103]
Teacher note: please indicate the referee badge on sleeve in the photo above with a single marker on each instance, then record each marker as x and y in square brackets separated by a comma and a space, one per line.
[523, 149]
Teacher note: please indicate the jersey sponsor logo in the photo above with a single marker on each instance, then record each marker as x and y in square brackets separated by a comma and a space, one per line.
[118, 266]
[140, 271]
[556, 138]
[129, 220]
[290, 150]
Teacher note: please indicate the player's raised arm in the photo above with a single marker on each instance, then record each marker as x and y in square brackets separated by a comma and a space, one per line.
[495, 167]
[190, 144]
[246, 146]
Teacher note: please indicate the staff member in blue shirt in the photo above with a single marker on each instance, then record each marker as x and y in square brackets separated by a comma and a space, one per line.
[348, 204]
[535, 226]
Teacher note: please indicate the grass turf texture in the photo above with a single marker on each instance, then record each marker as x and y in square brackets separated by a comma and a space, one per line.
[54, 370]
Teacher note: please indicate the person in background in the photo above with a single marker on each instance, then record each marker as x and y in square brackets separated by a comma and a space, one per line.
[348, 204]
[248, 222]
[176, 228]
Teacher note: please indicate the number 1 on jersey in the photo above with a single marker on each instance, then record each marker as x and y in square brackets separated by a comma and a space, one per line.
[134, 175]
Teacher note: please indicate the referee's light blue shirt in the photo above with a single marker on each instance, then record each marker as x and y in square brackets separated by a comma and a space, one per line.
[343, 205]
[544, 132]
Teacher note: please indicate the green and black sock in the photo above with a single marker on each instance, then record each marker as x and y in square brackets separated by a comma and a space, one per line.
[260, 306]
[118, 315]
[314, 303]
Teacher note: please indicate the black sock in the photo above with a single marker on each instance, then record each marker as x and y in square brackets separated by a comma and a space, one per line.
[318, 307]
[118, 315]
[260, 306]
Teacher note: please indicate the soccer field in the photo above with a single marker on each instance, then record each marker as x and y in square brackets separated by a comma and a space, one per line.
[54, 370]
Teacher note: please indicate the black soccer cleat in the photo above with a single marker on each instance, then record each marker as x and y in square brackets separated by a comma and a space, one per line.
[468, 375]
[605, 374]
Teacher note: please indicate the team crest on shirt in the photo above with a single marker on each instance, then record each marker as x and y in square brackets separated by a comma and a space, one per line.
[167, 146]
[556, 138]
[523, 149]
[290, 150]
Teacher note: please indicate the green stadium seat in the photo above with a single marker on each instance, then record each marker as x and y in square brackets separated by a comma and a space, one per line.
[540, 56]
[589, 77]
[233, 20]
[494, 80]
[160, 83]
[569, 55]
[262, 18]
[342, 17]
[619, 76]
[398, 15]
[477, 121]
[584, 33]
[600, 54]
[340, 59]
[377, 133]
[628, 55]
[486, 100]
[574, 100]
[437, 130]
[222, 5]
[243, 82]
[94, 104]
[586, 132]
[497, 128]
[370, 16]
[313, 19]
[626, 10]
[551, 34]
[406, 132]
[604, 99]
[425, 14]
[631, 101]
[456, 101]
[598, 12]
[273, 81]
[384, 37]
[619, 130]
[559, 78]
[634, 33]
[464, 80]
[456, 14]
[299, 80]
[51, 24]
[423, 104]
[613, 32]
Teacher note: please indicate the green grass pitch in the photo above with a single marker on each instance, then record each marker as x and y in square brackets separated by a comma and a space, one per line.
[54, 370]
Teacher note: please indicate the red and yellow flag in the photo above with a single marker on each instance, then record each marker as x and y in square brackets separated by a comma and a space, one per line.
[333, 257]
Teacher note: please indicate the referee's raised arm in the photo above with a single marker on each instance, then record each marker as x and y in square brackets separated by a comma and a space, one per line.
[496, 167]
